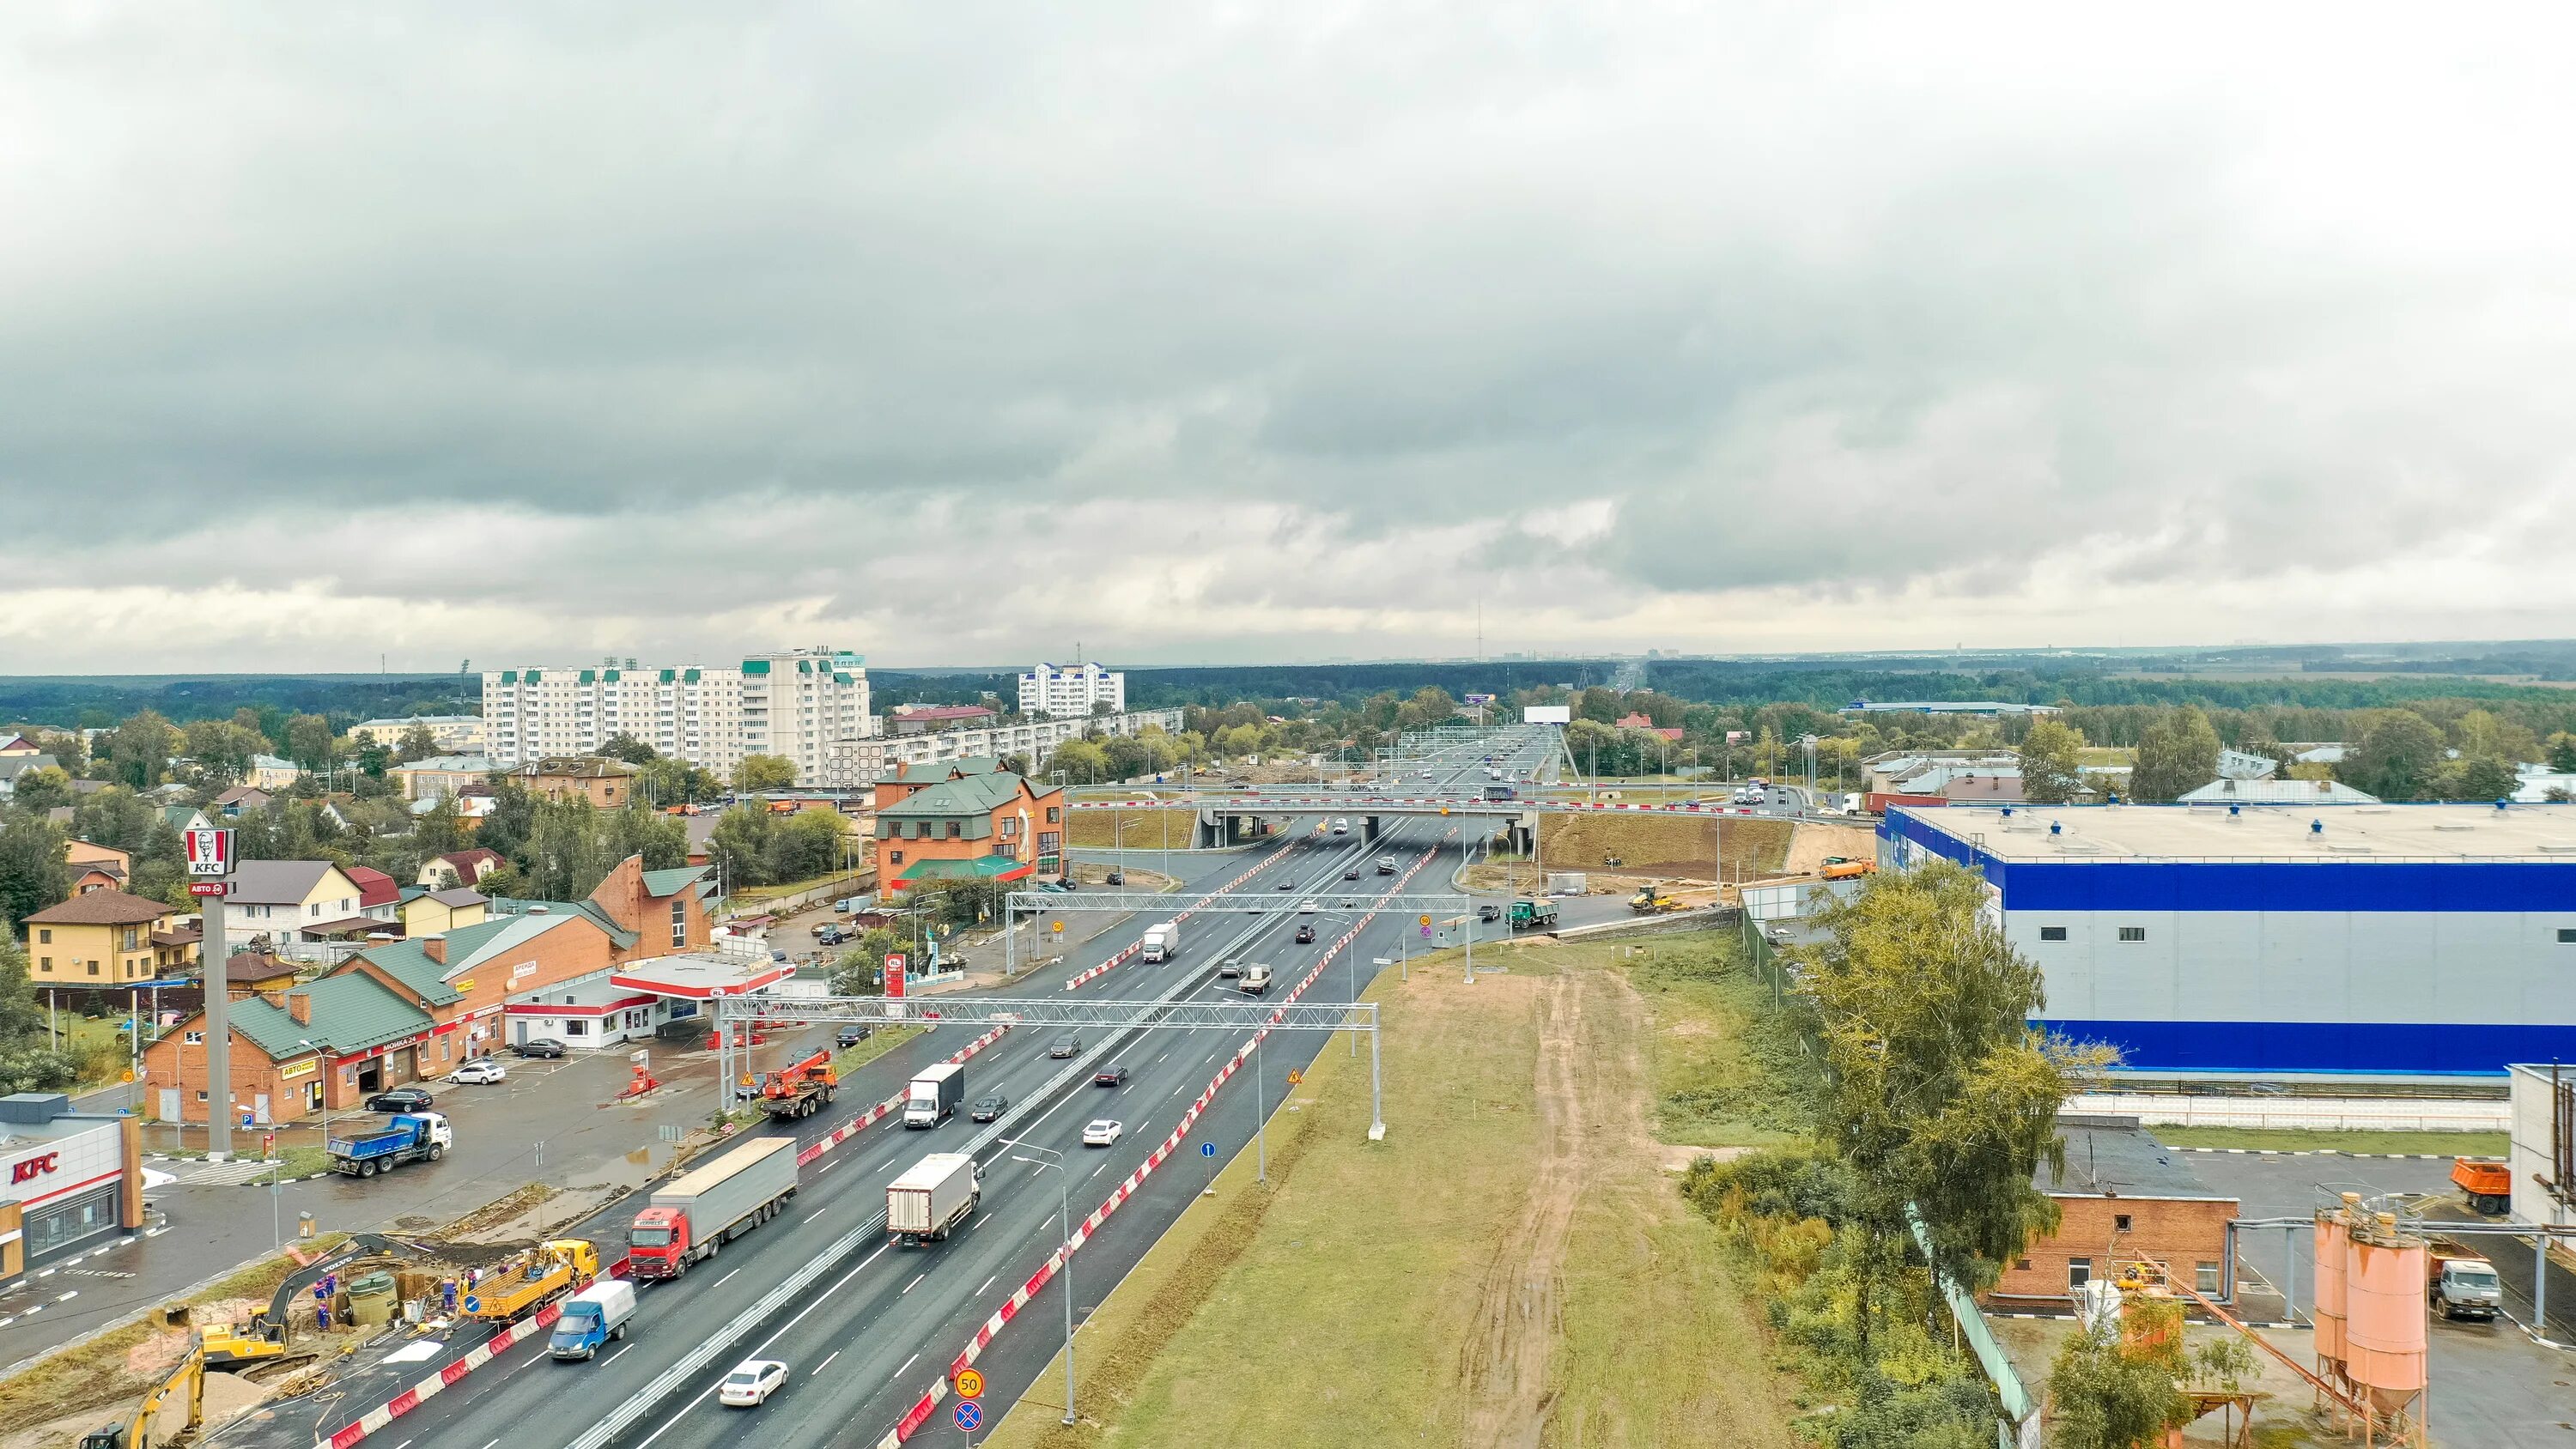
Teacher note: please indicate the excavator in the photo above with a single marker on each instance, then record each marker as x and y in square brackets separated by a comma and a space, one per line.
[800, 1089]
[138, 1430]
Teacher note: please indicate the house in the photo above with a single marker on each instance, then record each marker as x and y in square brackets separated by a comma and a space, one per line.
[897, 787]
[101, 938]
[459, 868]
[82, 852]
[239, 798]
[378, 897]
[276, 900]
[299, 1051]
[1637, 720]
[13, 766]
[426, 912]
[268, 772]
[178, 947]
[988, 824]
[456, 733]
[2239, 765]
[603, 782]
[440, 775]
[253, 972]
[15, 745]
[97, 875]
[184, 818]
[2123, 1197]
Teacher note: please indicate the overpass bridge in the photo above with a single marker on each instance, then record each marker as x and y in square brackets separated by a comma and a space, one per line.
[1223, 816]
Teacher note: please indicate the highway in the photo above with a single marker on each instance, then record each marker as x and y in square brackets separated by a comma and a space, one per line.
[881, 1323]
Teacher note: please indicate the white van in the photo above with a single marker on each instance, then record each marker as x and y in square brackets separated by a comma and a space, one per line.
[1305, 908]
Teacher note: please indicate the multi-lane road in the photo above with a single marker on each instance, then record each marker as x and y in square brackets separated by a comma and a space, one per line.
[879, 1324]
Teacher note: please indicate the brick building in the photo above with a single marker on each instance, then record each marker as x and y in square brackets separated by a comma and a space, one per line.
[967, 819]
[603, 782]
[2123, 1196]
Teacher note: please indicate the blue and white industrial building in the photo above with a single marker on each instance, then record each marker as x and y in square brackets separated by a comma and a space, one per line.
[2383, 940]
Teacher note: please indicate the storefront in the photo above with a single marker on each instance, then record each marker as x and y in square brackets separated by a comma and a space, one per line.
[67, 1180]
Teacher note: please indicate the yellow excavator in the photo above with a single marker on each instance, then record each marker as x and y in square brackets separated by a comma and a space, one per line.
[139, 1431]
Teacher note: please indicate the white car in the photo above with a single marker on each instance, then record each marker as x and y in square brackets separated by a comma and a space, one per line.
[1103, 1133]
[751, 1383]
[1341, 827]
[480, 1070]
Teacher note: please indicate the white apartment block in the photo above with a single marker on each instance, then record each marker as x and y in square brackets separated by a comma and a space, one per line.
[850, 763]
[793, 704]
[1066, 692]
[453, 734]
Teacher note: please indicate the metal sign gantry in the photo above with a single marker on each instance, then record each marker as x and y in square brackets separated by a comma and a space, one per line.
[1153, 904]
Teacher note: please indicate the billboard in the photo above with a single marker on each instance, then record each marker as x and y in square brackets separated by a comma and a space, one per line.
[1480, 699]
[1547, 714]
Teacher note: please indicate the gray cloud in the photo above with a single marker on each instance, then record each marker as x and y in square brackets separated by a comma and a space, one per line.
[1232, 332]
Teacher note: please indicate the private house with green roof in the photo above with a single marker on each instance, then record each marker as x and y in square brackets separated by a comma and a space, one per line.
[345, 1036]
[965, 820]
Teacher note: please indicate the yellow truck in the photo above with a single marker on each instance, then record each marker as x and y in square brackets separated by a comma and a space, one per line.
[1654, 900]
[536, 1277]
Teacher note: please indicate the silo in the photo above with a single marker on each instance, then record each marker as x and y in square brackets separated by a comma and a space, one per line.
[2332, 1250]
[2384, 1332]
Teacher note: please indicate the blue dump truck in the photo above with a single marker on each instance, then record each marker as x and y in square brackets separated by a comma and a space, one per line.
[407, 1137]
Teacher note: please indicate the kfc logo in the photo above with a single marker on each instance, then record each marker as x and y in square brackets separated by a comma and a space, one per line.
[31, 1168]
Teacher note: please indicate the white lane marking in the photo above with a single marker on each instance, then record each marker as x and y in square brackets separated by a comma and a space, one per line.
[603, 1363]
[915, 1283]
[816, 1213]
[907, 1363]
[727, 1278]
[987, 1283]
[828, 1166]
[826, 1363]
[489, 1446]
[819, 1300]
[68, 1297]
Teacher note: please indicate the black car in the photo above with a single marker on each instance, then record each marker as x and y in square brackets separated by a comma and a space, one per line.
[539, 1046]
[850, 1036]
[1109, 1077]
[986, 1109]
[1305, 934]
[1064, 1046]
[1352, 874]
[1287, 885]
[400, 1099]
[1117, 877]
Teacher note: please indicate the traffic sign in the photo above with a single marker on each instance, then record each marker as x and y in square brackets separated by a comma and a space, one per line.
[970, 1416]
[209, 851]
[1422, 920]
[1207, 1149]
[1058, 928]
[473, 1303]
[210, 887]
[970, 1384]
[1295, 1077]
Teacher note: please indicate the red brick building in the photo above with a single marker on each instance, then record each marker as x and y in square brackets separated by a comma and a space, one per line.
[2123, 1196]
[969, 819]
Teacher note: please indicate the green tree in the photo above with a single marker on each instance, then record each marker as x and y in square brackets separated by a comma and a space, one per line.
[2481, 777]
[2051, 763]
[805, 845]
[2178, 752]
[2562, 752]
[2118, 1385]
[43, 789]
[223, 749]
[764, 772]
[1081, 761]
[624, 746]
[2397, 758]
[671, 781]
[141, 748]
[28, 1062]
[417, 743]
[739, 847]
[310, 742]
[116, 818]
[1941, 1097]
[35, 870]
[861, 968]
[439, 830]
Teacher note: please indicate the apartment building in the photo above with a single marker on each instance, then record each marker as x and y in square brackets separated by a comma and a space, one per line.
[1066, 691]
[452, 734]
[849, 764]
[793, 704]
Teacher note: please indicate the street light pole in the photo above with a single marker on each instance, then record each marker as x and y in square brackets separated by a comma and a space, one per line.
[1064, 1215]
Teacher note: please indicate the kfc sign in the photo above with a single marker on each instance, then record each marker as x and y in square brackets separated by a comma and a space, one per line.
[28, 1169]
[210, 852]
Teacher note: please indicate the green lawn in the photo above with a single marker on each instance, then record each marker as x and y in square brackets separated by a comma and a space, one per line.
[2445, 1144]
[886, 1039]
[1724, 1076]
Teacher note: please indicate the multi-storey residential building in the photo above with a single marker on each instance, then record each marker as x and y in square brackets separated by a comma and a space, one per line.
[851, 763]
[792, 704]
[452, 734]
[1065, 691]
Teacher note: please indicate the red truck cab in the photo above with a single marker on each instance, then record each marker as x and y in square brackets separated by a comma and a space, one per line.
[658, 1245]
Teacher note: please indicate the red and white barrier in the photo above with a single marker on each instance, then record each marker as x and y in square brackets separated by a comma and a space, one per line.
[1301, 804]
[1121, 956]
[928, 1404]
[890, 1105]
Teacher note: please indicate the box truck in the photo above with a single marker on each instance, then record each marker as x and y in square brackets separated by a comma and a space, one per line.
[592, 1317]
[1162, 941]
[698, 1213]
[933, 1196]
[934, 1095]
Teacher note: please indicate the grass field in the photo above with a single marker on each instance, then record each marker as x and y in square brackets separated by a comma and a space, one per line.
[1131, 829]
[1694, 847]
[1510, 1265]
[2444, 1144]
[1721, 1076]
[885, 1039]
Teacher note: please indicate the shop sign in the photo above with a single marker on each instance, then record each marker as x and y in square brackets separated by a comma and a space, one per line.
[28, 1169]
[304, 1068]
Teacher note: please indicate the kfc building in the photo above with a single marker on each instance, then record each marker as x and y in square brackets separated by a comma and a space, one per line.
[68, 1180]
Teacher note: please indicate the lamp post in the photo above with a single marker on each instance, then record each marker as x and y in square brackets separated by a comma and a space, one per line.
[1064, 1214]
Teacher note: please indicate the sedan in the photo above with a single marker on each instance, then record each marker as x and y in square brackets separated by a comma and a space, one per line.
[481, 1070]
[1286, 885]
[1109, 1077]
[539, 1046]
[987, 1109]
[400, 1099]
[1352, 874]
[751, 1383]
[1305, 934]
[850, 1036]
[1103, 1133]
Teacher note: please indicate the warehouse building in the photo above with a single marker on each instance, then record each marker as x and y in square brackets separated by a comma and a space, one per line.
[2387, 940]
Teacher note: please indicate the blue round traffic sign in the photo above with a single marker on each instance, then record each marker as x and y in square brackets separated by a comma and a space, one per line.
[1207, 1149]
[969, 1417]
[473, 1304]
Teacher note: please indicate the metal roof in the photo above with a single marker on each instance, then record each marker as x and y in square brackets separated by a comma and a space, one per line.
[351, 1012]
[2116, 1157]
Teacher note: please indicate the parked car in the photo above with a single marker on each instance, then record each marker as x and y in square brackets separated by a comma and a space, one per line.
[1103, 1133]
[987, 1109]
[1305, 934]
[1109, 1077]
[751, 1383]
[479, 1071]
[539, 1046]
[852, 1035]
[1117, 877]
[828, 933]
[401, 1099]
[1065, 1045]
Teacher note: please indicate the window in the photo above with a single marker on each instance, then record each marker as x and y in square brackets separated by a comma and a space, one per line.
[2567, 935]
[957, 830]
[576, 1028]
[93, 968]
[2119, 1222]
[2133, 933]
[680, 922]
[2052, 933]
[2021, 1265]
[894, 857]
[48, 963]
[45, 937]
[2204, 1277]
[1055, 815]
[194, 1038]
[131, 940]
[2079, 1271]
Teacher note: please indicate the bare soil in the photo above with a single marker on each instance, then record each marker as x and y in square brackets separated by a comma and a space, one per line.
[1813, 843]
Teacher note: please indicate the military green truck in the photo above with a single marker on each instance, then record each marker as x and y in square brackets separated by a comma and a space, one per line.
[1528, 915]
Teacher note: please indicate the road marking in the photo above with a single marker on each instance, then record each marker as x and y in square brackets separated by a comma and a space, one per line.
[68, 1297]
[915, 1283]
[827, 1362]
[907, 1363]
[816, 1213]
[727, 1278]
[828, 1166]
[819, 1300]
[489, 1446]
[987, 1283]
[603, 1363]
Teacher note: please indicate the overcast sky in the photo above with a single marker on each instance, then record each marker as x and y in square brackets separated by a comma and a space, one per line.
[959, 333]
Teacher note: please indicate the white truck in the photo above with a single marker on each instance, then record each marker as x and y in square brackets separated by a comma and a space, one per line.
[933, 1196]
[934, 1095]
[1162, 941]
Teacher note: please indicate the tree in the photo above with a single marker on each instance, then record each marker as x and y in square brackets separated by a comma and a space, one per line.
[438, 830]
[861, 969]
[2481, 777]
[1080, 761]
[624, 746]
[671, 781]
[116, 818]
[28, 1061]
[764, 772]
[223, 749]
[805, 845]
[2178, 752]
[2116, 1384]
[43, 789]
[1941, 1096]
[739, 846]
[2397, 757]
[35, 870]
[311, 743]
[2562, 752]
[2051, 763]
[417, 743]
[141, 748]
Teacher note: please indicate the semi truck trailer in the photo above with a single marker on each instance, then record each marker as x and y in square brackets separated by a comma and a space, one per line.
[700, 1212]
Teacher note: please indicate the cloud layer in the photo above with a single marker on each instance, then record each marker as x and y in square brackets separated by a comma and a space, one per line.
[1221, 332]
